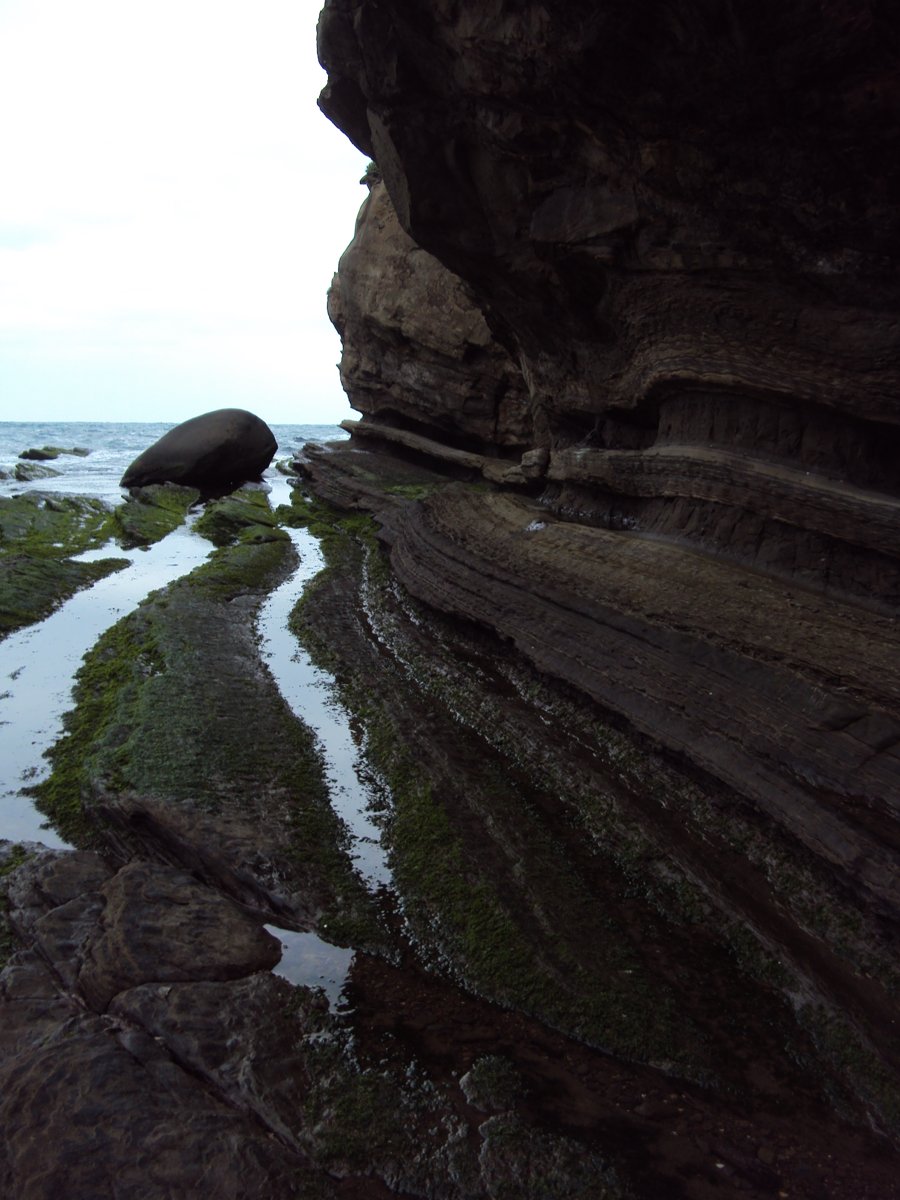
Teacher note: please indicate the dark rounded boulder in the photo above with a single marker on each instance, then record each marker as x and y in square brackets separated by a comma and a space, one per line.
[215, 452]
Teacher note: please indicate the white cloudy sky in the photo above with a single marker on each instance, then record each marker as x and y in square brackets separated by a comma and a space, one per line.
[172, 208]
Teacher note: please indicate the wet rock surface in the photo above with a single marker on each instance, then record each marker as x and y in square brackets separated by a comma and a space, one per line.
[48, 453]
[196, 934]
[27, 472]
[543, 1002]
[151, 512]
[39, 536]
[119, 1116]
[182, 746]
[611, 600]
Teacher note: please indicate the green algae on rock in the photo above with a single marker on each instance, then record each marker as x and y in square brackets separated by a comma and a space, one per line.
[486, 893]
[28, 472]
[11, 857]
[32, 586]
[151, 512]
[223, 520]
[45, 453]
[39, 534]
[392, 1118]
[177, 724]
[492, 1084]
[43, 521]
[581, 868]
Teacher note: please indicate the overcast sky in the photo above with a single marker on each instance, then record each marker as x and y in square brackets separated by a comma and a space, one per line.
[172, 208]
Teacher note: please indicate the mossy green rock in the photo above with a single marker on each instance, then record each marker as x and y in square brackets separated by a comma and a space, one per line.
[488, 893]
[12, 855]
[152, 512]
[43, 453]
[32, 586]
[38, 535]
[174, 710]
[223, 521]
[492, 1084]
[42, 521]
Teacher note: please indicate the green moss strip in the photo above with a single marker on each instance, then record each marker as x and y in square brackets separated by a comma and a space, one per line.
[38, 535]
[486, 891]
[33, 586]
[223, 521]
[16, 856]
[173, 703]
[152, 512]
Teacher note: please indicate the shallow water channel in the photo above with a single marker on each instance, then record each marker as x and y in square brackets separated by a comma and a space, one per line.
[309, 692]
[38, 665]
[37, 669]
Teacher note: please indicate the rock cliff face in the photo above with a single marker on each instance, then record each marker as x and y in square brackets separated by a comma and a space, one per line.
[417, 351]
[682, 230]
[638, 270]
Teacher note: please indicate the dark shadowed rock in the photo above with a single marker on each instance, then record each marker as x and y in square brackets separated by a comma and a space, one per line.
[677, 229]
[214, 452]
[159, 924]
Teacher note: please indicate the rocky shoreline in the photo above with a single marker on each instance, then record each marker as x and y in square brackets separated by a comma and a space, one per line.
[544, 1003]
[610, 604]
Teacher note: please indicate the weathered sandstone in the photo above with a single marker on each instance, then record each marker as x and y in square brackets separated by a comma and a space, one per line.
[390, 297]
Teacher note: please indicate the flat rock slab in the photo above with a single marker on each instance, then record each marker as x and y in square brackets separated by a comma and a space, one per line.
[243, 1037]
[159, 924]
[111, 1109]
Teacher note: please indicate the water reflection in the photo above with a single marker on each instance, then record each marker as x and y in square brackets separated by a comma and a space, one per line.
[38, 664]
[310, 693]
[309, 961]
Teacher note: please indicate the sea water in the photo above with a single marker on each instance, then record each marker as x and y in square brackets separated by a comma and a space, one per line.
[113, 446]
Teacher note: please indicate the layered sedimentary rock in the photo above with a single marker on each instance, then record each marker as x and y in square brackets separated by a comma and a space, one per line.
[680, 229]
[417, 350]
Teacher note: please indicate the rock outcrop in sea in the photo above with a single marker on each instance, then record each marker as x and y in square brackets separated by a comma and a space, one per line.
[215, 452]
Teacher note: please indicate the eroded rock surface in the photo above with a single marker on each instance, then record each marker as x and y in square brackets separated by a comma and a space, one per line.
[551, 998]
[700, 293]
[390, 297]
[157, 924]
[620, 650]
[118, 1114]
[679, 229]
